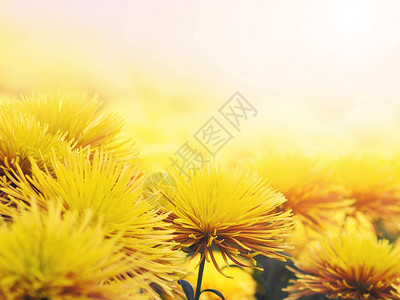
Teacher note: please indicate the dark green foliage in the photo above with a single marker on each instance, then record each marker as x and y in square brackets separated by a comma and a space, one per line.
[274, 278]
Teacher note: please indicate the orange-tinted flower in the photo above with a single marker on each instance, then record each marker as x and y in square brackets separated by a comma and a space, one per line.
[347, 264]
[308, 184]
[232, 210]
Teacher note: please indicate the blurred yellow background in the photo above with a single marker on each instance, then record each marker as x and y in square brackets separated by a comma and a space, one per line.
[323, 75]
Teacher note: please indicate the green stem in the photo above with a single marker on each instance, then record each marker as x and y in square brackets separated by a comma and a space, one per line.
[199, 280]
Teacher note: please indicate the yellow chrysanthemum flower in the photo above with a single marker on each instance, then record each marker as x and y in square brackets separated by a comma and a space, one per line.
[305, 234]
[347, 264]
[372, 181]
[307, 183]
[86, 180]
[83, 120]
[59, 257]
[232, 210]
[23, 138]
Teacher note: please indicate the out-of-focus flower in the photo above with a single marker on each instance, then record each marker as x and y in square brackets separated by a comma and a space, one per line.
[232, 210]
[305, 234]
[47, 255]
[348, 264]
[373, 182]
[81, 119]
[85, 180]
[308, 185]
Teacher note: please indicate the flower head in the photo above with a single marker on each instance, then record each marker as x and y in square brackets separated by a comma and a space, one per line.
[23, 138]
[308, 184]
[371, 180]
[347, 264]
[50, 256]
[83, 120]
[231, 210]
[83, 181]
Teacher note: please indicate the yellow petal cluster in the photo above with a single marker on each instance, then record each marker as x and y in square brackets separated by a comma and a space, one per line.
[347, 264]
[307, 182]
[372, 181]
[23, 137]
[85, 180]
[231, 210]
[48, 255]
[82, 119]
